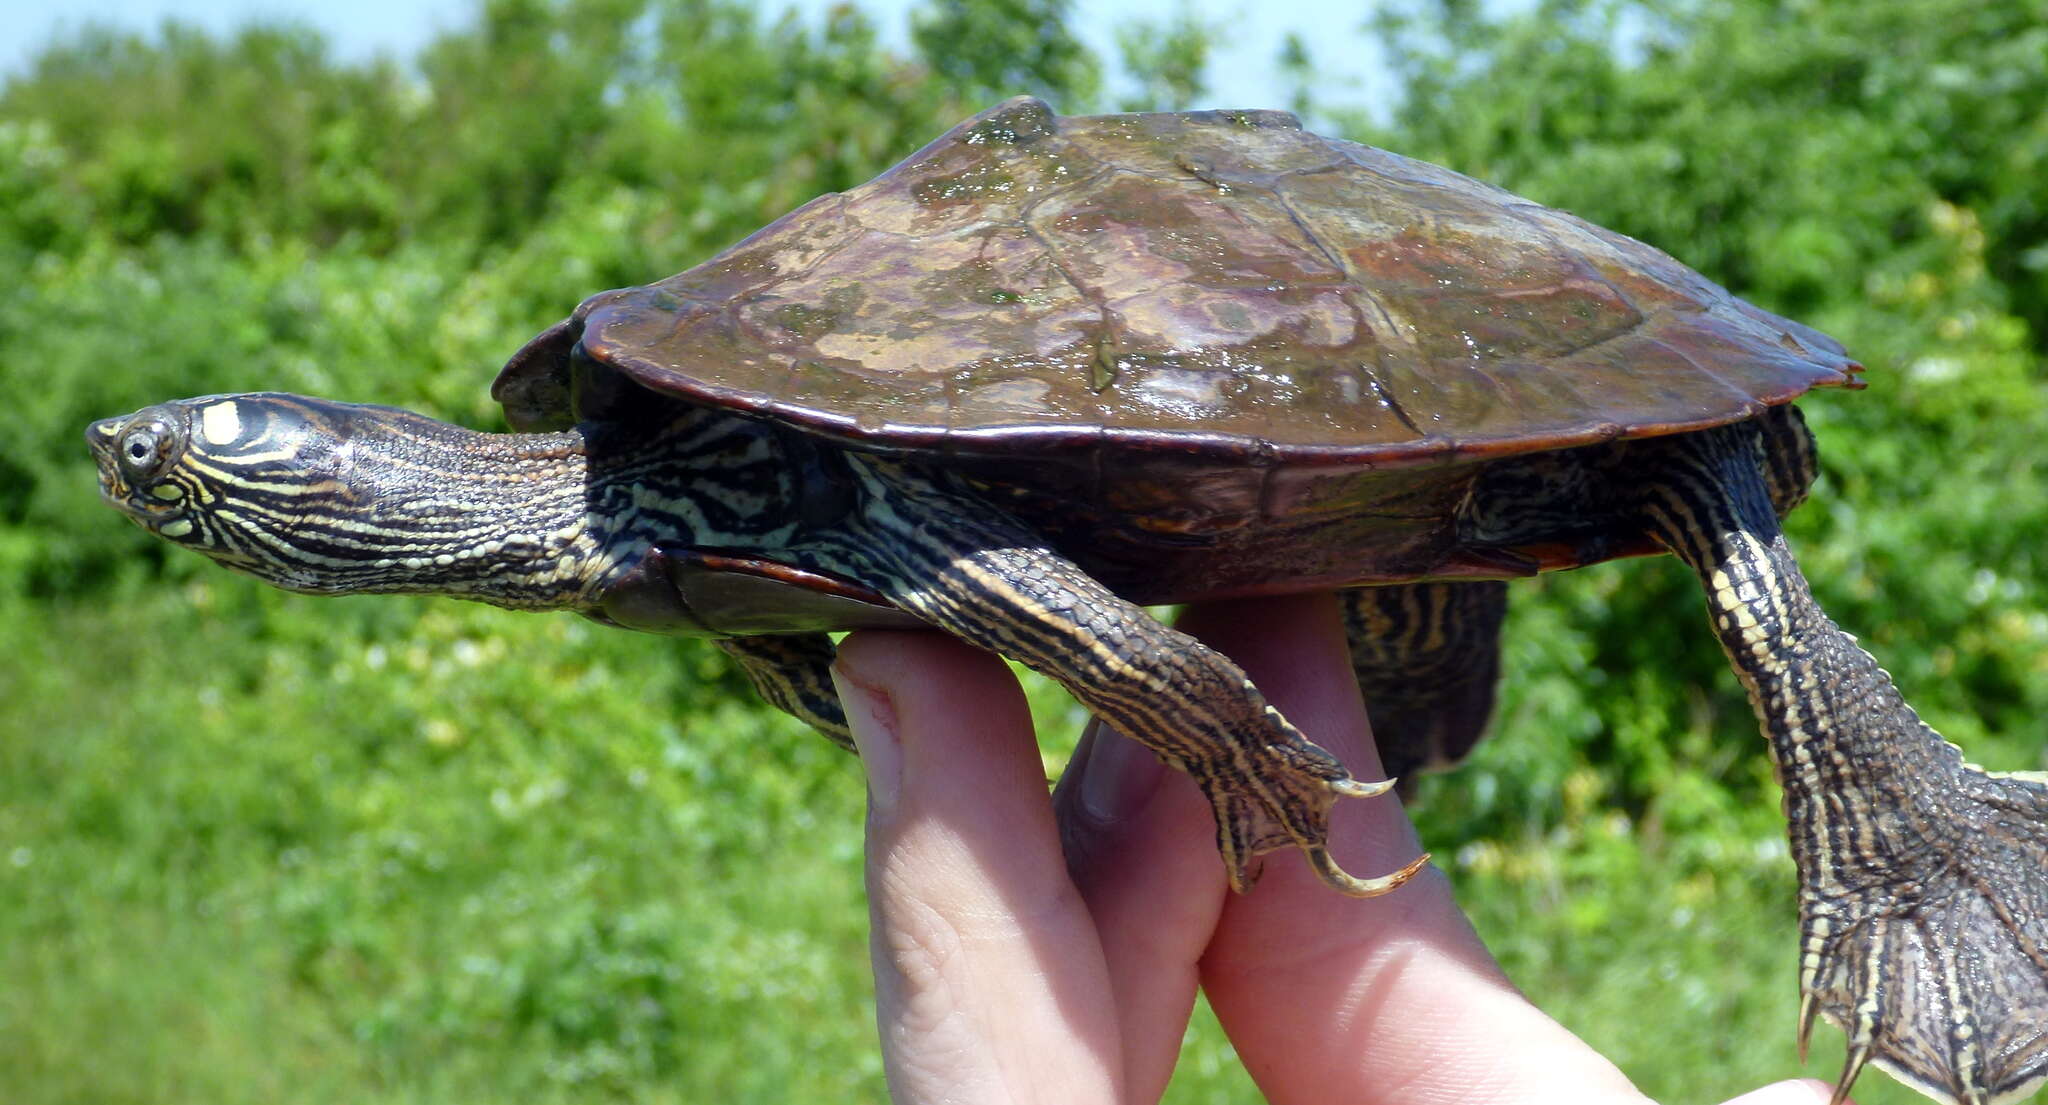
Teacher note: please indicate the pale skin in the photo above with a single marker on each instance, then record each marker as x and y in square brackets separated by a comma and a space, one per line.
[1035, 950]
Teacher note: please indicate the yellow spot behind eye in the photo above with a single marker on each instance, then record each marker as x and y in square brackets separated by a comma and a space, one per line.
[179, 528]
[221, 423]
[168, 492]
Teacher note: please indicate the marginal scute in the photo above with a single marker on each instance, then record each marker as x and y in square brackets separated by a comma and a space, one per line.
[1017, 121]
[1211, 284]
[534, 385]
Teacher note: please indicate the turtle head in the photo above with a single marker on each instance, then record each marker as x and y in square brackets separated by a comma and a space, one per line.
[263, 483]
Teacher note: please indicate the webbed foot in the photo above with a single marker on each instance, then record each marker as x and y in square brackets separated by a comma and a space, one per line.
[1927, 942]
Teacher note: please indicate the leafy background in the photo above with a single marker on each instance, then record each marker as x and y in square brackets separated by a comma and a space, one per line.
[262, 848]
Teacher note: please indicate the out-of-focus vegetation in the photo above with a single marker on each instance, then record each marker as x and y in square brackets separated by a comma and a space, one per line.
[256, 847]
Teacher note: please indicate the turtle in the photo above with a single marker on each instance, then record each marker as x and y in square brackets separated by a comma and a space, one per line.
[1050, 371]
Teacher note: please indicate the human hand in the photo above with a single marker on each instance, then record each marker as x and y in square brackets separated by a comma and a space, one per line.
[1034, 950]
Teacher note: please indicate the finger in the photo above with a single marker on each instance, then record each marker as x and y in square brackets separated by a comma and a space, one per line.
[1388, 999]
[1805, 1091]
[1140, 845]
[988, 978]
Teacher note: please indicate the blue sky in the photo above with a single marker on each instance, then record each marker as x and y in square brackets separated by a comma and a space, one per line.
[1239, 72]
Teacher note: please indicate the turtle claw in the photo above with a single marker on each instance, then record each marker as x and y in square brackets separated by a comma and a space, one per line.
[1852, 1066]
[1354, 788]
[1345, 883]
[1247, 827]
[1336, 877]
[1808, 1009]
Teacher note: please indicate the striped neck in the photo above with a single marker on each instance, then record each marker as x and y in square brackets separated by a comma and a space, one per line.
[391, 502]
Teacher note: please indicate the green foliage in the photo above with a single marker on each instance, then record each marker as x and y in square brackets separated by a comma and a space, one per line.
[989, 49]
[1766, 141]
[1166, 58]
[140, 121]
[260, 847]
[1297, 68]
[468, 853]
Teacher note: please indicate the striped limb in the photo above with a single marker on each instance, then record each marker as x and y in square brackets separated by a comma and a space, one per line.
[793, 673]
[954, 562]
[1427, 656]
[1923, 880]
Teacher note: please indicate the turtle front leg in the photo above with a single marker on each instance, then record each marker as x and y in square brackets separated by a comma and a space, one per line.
[1923, 880]
[967, 570]
[793, 673]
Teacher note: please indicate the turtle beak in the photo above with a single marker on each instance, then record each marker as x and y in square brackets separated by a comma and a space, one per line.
[99, 437]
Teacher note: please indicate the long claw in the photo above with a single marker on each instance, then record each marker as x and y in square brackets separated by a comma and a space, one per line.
[1354, 788]
[1852, 1066]
[1357, 887]
[1808, 1009]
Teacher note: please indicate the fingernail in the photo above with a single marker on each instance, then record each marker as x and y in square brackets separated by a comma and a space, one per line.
[871, 714]
[1118, 776]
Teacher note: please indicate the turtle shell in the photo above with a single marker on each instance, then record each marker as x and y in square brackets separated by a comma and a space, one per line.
[1215, 282]
[1179, 317]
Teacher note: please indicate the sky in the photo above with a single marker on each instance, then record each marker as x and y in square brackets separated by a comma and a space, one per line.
[1241, 70]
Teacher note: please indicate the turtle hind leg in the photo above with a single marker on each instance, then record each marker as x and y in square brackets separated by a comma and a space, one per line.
[1923, 880]
[1427, 658]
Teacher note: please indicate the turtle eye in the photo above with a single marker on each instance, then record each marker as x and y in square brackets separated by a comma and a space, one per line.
[142, 451]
